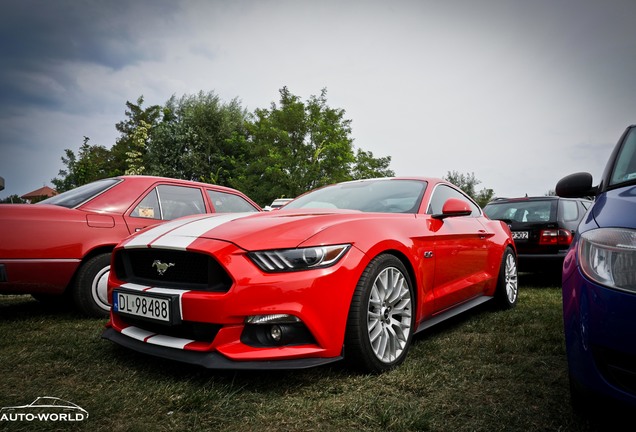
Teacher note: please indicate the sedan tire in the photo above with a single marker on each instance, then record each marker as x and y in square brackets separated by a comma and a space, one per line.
[89, 289]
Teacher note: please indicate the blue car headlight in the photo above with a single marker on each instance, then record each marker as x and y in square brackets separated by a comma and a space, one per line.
[608, 257]
[283, 260]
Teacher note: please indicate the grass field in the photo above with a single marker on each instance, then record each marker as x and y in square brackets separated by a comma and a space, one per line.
[484, 371]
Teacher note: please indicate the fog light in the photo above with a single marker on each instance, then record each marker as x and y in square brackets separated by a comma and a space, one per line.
[276, 332]
[272, 319]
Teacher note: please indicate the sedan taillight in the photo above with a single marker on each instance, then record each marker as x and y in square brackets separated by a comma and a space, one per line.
[560, 237]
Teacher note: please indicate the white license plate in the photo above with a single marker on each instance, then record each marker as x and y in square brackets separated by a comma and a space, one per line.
[520, 235]
[155, 308]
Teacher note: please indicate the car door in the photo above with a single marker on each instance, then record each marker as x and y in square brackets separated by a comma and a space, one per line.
[460, 251]
[165, 202]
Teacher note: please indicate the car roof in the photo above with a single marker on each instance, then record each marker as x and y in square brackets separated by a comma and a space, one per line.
[532, 198]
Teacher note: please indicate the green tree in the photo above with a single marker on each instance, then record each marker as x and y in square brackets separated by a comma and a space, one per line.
[296, 146]
[12, 199]
[138, 124]
[366, 166]
[282, 151]
[197, 139]
[91, 163]
[468, 183]
[138, 148]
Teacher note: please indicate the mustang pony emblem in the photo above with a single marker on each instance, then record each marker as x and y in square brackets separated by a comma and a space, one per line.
[162, 267]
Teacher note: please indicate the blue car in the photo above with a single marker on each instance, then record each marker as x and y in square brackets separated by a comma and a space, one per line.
[599, 283]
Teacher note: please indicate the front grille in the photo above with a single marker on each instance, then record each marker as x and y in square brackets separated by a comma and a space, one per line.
[617, 368]
[201, 332]
[171, 269]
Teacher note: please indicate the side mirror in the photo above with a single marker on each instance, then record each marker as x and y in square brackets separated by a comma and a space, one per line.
[576, 185]
[454, 207]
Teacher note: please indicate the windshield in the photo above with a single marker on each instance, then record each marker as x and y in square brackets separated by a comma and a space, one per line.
[377, 195]
[80, 194]
[625, 166]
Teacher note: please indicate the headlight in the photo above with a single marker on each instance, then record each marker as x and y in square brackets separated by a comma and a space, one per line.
[282, 260]
[608, 257]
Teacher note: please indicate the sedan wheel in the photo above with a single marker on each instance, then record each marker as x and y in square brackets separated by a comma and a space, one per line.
[380, 324]
[90, 289]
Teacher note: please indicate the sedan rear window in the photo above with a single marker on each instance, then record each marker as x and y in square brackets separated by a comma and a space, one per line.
[81, 194]
[523, 211]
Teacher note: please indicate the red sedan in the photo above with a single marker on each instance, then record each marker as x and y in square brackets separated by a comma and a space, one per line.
[60, 248]
[351, 270]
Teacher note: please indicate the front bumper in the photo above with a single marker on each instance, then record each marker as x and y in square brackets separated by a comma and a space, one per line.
[600, 330]
[212, 330]
[211, 360]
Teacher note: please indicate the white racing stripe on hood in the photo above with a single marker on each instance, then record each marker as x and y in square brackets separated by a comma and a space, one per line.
[180, 234]
[181, 237]
[142, 240]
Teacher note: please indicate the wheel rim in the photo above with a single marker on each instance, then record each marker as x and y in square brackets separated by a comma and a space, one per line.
[389, 317]
[99, 288]
[512, 284]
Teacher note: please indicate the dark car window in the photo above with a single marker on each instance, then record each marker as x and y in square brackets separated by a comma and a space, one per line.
[442, 193]
[625, 166]
[523, 211]
[568, 210]
[229, 203]
[81, 194]
[167, 202]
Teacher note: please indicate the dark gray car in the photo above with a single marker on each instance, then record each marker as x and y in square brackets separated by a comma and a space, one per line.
[542, 227]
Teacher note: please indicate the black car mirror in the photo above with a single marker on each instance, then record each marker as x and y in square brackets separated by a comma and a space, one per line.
[575, 185]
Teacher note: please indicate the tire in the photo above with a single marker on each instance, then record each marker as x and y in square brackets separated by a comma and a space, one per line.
[89, 288]
[507, 292]
[381, 318]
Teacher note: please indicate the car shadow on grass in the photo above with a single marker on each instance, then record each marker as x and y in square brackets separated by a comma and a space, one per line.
[23, 307]
[540, 279]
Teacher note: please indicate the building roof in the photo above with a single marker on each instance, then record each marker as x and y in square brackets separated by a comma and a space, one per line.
[43, 191]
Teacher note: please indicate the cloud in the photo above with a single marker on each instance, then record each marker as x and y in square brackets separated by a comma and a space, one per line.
[44, 44]
[520, 93]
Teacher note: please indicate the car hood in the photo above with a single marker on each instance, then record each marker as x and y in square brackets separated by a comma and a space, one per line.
[616, 208]
[249, 231]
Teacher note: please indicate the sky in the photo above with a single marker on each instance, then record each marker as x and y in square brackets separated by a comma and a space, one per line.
[519, 93]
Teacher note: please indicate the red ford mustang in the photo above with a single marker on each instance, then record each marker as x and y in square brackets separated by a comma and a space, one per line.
[351, 270]
[60, 249]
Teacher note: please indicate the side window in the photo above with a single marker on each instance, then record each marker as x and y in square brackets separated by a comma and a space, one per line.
[569, 210]
[167, 202]
[229, 203]
[148, 208]
[443, 193]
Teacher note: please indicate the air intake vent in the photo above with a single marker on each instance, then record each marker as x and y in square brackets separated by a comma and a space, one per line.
[171, 269]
